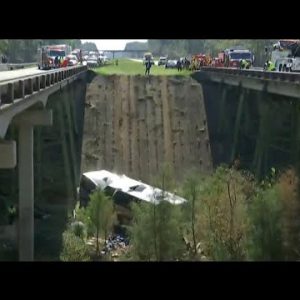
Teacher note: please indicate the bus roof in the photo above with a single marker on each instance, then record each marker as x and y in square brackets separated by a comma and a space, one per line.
[134, 188]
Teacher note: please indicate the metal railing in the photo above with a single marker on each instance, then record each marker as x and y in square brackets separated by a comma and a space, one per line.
[12, 66]
[19, 88]
[282, 76]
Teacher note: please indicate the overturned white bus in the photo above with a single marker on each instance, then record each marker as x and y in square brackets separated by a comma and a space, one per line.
[123, 191]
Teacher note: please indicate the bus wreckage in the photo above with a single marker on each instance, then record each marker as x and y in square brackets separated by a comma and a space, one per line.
[124, 191]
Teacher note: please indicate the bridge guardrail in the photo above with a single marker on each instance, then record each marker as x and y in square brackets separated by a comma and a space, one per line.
[19, 88]
[11, 66]
[283, 76]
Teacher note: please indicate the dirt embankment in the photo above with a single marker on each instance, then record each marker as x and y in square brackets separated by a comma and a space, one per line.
[134, 125]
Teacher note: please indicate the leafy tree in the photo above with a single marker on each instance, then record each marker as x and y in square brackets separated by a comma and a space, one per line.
[157, 228]
[191, 191]
[136, 46]
[288, 190]
[177, 48]
[265, 231]
[100, 215]
[223, 220]
[88, 46]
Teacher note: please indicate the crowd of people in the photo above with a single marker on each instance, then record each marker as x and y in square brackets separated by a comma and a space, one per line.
[4, 59]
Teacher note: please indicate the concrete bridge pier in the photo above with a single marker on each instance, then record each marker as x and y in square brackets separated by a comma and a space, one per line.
[26, 123]
[8, 157]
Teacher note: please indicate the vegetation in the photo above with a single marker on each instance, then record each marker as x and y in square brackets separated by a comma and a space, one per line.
[178, 48]
[100, 216]
[19, 51]
[156, 230]
[96, 220]
[136, 46]
[228, 216]
[74, 248]
[88, 46]
[129, 67]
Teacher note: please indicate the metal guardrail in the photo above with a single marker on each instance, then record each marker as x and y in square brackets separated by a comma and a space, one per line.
[22, 64]
[19, 88]
[12, 66]
[282, 76]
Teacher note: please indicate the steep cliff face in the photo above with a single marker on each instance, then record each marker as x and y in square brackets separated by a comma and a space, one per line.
[133, 125]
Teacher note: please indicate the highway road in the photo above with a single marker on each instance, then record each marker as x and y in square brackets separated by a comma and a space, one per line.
[20, 73]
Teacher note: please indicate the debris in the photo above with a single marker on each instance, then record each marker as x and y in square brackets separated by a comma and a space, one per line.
[115, 245]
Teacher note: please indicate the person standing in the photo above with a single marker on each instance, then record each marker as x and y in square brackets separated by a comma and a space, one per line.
[148, 67]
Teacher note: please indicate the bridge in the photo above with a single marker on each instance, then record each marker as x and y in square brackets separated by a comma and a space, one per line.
[23, 103]
[250, 113]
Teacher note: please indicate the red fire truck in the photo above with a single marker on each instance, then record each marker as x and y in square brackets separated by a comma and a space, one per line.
[47, 55]
[230, 58]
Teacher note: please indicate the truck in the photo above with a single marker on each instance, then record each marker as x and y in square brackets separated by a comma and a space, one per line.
[285, 55]
[46, 55]
[231, 58]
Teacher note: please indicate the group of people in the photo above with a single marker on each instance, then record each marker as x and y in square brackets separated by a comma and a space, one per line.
[4, 59]
[60, 62]
[181, 63]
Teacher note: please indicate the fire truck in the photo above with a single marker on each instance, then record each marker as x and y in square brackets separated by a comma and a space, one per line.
[230, 58]
[47, 55]
[286, 55]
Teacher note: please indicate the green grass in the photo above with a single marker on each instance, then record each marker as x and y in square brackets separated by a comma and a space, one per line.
[129, 67]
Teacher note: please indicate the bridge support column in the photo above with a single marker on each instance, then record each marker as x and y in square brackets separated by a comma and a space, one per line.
[8, 157]
[26, 124]
[223, 116]
[26, 193]
[237, 124]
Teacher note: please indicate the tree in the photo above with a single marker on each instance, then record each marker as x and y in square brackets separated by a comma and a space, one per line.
[288, 190]
[87, 46]
[100, 214]
[136, 46]
[265, 241]
[177, 48]
[223, 221]
[191, 193]
[157, 228]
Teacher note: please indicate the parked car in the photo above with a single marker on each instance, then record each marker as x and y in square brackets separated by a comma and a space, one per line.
[171, 64]
[73, 61]
[162, 61]
[92, 61]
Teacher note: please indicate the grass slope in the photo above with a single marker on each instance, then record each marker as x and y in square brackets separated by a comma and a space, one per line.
[129, 67]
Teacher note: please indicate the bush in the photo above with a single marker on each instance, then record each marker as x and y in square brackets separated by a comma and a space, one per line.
[156, 232]
[222, 219]
[265, 242]
[74, 248]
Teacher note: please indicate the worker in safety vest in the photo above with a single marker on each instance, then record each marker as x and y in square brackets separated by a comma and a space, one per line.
[270, 66]
[244, 64]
